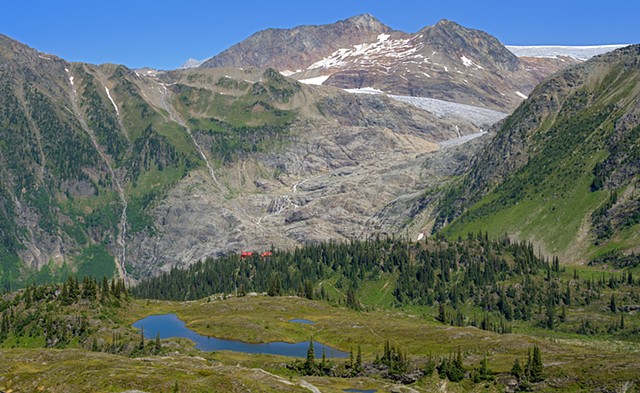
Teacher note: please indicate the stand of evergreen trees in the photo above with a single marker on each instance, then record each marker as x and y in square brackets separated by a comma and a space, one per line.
[473, 281]
[48, 313]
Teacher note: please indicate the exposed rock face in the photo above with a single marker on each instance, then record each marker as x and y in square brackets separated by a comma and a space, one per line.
[445, 61]
[294, 49]
[354, 169]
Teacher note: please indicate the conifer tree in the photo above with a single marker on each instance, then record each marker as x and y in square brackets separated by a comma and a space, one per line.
[142, 337]
[537, 368]
[158, 344]
[358, 366]
[309, 364]
[516, 369]
[105, 288]
[612, 303]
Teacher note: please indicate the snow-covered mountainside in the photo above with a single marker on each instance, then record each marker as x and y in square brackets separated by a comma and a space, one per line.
[551, 51]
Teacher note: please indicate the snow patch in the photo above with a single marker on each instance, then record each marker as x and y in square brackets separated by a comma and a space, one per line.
[469, 63]
[70, 77]
[287, 72]
[521, 95]
[364, 90]
[318, 80]
[420, 236]
[383, 37]
[112, 101]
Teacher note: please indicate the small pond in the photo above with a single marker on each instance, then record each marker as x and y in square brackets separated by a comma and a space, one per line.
[359, 390]
[303, 321]
[169, 325]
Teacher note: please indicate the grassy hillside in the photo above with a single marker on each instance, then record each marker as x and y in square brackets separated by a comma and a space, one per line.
[562, 171]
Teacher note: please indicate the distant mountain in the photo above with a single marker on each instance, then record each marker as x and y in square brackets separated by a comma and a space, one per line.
[563, 170]
[191, 63]
[445, 61]
[293, 49]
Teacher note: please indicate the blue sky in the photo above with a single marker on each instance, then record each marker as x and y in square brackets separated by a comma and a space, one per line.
[164, 34]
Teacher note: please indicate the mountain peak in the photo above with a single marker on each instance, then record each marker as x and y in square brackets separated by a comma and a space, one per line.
[445, 22]
[365, 20]
[292, 49]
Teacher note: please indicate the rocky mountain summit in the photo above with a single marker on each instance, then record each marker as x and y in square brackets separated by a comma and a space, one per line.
[445, 61]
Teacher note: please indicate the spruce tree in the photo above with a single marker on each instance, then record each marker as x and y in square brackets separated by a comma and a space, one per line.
[516, 370]
[537, 368]
[527, 367]
[456, 370]
[142, 337]
[612, 303]
[158, 344]
[309, 364]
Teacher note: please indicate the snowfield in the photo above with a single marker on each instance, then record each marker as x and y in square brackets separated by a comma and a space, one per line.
[445, 109]
[578, 52]
[370, 53]
[318, 80]
[364, 90]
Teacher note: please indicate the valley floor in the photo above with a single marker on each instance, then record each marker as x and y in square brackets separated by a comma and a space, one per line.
[571, 363]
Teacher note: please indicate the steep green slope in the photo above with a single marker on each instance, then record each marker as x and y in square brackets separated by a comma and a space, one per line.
[78, 144]
[563, 170]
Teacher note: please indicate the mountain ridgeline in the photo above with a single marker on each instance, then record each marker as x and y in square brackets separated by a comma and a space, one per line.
[563, 170]
[444, 61]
